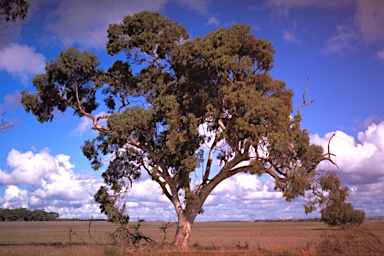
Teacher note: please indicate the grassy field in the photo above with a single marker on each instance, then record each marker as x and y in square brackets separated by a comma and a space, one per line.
[208, 238]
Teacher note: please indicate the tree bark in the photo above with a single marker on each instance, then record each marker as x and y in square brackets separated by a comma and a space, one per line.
[183, 232]
[185, 221]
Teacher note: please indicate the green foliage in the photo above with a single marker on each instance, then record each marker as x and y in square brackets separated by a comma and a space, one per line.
[23, 214]
[13, 10]
[213, 92]
[342, 215]
[335, 211]
[148, 32]
[71, 80]
[108, 206]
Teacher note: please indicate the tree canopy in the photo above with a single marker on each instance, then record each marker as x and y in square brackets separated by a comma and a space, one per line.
[335, 211]
[23, 214]
[199, 99]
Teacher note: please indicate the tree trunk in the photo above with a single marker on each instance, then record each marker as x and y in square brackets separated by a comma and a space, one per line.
[184, 226]
[183, 233]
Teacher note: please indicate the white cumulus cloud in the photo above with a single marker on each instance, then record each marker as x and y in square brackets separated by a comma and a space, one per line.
[21, 61]
[360, 160]
[249, 197]
[29, 168]
[15, 197]
[40, 180]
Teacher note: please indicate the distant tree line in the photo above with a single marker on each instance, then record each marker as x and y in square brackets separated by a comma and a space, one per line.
[23, 214]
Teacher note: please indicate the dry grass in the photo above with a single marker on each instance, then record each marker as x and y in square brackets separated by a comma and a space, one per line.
[81, 250]
[208, 238]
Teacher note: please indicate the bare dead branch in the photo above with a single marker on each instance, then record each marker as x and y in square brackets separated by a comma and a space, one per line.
[327, 156]
[305, 103]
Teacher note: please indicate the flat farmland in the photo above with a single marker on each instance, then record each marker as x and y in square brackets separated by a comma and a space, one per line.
[243, 237]
[203, 233]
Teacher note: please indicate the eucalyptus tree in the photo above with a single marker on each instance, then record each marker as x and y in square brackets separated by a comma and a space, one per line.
[335, 211]
[200, 99]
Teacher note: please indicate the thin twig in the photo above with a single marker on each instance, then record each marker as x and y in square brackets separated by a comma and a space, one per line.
[304, 100]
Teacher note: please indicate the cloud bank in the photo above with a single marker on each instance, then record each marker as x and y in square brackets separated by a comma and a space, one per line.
[41, 180]
[361, 165]
[361, 160]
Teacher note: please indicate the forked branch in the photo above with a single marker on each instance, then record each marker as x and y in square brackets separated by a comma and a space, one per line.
[327, 156]
[94, 119]
[305, 103]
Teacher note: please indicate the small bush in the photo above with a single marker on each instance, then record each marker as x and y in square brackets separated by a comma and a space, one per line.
[343, 216]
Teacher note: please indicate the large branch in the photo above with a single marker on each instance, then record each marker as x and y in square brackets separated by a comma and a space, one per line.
[93, 118]
[223, 173]
[173, 195]
[272, 173]
[210, 157]
[163, 173]
[161, 183]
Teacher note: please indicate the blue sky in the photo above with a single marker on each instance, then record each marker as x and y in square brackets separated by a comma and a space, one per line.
[338, 44]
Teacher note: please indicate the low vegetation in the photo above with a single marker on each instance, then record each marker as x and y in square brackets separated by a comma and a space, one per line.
[335, 211]
[209, 238]
[23, 214]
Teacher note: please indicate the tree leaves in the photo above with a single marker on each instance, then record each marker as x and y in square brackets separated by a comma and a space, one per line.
[71, 80]
[215, 87]
[148, 32]
[335, 211]
[342, 214]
